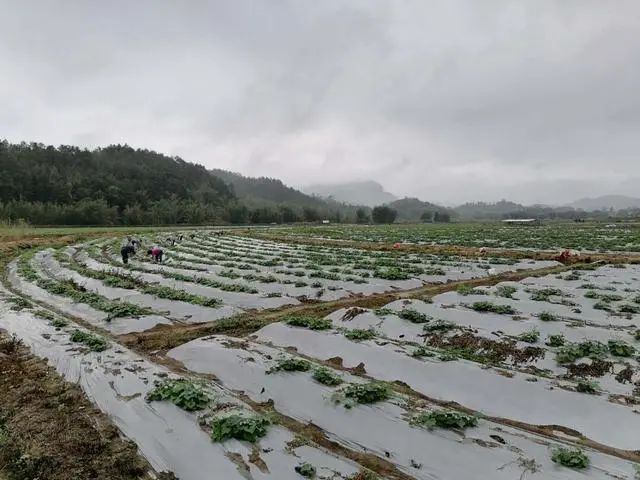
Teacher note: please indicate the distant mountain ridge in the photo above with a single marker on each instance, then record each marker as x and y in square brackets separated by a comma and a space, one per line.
[617, 202]
[367, 193]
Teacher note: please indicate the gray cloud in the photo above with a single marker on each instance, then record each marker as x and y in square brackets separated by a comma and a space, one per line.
[449, 100]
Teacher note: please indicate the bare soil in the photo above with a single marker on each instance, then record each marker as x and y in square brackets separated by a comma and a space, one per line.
[49, 430]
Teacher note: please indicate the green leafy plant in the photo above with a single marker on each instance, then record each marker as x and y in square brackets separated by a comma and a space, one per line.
[413, 315]
[181, 392]
[240, 426]
[555, 340]
[381, 312]
[572, 458]
[601, 306]
[444, 419]
[629, 308]
[306, 470]
[532, 336]
[93, 342]
[571, 352]
[588, 386]
[439, 325]
[547, 317]
[326, 376]
[620, 348]
[506, 291]
[364, 393]
[544, 294]
[360, 334]
[312, 323]
[485, 307]
[392, 273]
[19, 303]
[290, 365]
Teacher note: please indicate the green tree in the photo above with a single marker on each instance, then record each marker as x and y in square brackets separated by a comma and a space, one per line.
[361, 216]
[383, 214]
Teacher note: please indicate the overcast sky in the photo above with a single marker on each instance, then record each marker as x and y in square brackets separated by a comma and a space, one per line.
[449, 101]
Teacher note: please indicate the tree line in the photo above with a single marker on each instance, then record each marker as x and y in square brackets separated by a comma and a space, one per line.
[120, 185]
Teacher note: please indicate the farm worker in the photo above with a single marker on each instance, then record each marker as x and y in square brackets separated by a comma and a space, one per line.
[125, 251]
[396, 245]
[156, 254]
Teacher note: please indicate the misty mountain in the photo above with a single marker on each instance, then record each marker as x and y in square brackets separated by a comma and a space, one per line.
[617, 202]
[264, 189]
[368, 193]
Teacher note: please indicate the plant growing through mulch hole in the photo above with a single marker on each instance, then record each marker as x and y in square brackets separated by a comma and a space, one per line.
[312, 323]
[439, 325]
[469, 290]
[413, 315]
[555, 340]
[600, 305]
[181, 392]
[290, 365]
[93, 342]
[532, 336]
[620, 348]
[241, 426]
[506, 291]
[544, 294]
[306, 470]
[485, 307]
[444, 419]
[19, 303]
[629, 308]
[363, 393]
[381, 312]
[547, 317]
[326, 376]
[360, 334]
[572, 458]
[392, 273]
[571, 352]
[588, 386]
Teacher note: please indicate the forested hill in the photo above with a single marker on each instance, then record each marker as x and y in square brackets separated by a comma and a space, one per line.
[120, 185]
[119, 174]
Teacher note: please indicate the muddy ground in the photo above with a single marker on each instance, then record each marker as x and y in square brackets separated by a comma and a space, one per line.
[50, 430]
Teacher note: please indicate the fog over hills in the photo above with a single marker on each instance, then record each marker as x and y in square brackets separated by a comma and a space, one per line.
[368, 193]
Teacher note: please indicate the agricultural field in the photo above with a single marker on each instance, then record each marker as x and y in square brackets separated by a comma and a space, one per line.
[587, 237]
[254, 357]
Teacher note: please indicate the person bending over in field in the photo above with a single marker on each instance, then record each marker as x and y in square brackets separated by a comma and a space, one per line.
[156, 254]
[125, 251]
